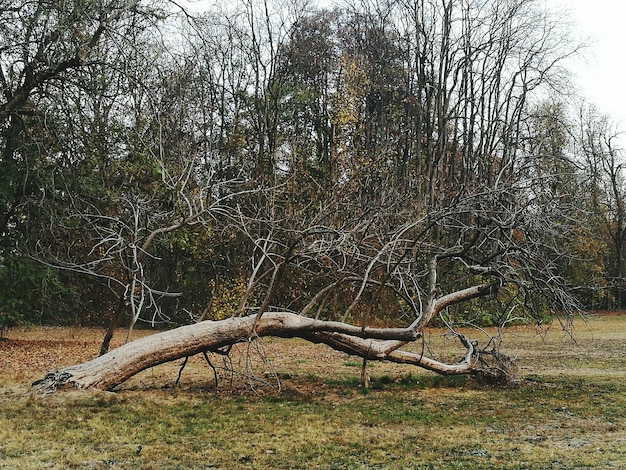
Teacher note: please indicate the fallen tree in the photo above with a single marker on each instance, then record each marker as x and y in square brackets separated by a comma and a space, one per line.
[329, 233]
[377, 344]
[372, 269]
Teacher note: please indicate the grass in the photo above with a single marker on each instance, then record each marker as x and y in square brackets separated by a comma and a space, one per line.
[568, 413]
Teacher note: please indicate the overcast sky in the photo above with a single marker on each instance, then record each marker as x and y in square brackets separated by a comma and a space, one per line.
[602, 76]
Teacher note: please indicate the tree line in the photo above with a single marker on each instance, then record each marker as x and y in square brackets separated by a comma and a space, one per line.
[355, 164]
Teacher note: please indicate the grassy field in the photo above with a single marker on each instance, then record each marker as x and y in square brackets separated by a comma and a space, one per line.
[568, 412]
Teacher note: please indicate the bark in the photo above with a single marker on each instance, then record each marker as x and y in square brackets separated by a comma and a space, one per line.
[112, 369]
[114, 322]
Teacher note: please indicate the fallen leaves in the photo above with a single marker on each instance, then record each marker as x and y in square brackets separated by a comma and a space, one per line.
[27, 354]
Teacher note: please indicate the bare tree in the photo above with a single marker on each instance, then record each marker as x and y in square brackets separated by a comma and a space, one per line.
[57, 68]
[165, 181]
[368, 255]
[123, 249]
[43, 45]
[603, 166]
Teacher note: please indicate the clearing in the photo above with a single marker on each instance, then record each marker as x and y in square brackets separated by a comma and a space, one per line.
[290, 404]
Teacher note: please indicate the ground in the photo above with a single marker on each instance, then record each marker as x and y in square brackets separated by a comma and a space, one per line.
[290, 404]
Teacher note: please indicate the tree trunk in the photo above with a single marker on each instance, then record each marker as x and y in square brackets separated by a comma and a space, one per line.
[112, 369]
[113, 324]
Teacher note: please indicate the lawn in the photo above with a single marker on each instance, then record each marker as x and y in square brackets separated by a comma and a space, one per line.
[290, 404]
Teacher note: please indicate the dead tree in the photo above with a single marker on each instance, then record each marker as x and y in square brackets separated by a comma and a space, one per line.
[324, 260]
[108, 371]
[362, 258]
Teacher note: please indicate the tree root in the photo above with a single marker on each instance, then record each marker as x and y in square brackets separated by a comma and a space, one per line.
[495, 368]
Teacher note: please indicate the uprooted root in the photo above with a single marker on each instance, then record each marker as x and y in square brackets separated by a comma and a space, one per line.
[495, 368]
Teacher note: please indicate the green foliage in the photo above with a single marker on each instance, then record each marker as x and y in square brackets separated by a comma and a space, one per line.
[8, 321]
[18, 287]
[30, 292]
[343, 132]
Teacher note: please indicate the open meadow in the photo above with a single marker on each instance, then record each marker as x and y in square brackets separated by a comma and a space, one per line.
[290, 404]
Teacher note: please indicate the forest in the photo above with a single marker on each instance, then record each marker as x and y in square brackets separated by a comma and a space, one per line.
[360, 167]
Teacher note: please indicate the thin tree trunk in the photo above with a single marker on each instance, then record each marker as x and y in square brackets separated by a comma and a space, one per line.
[113, 324]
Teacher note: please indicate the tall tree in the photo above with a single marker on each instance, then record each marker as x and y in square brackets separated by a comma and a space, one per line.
[46, 49]
[603, 165]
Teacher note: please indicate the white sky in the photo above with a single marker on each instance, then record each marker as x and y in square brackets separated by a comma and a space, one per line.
[602, 76]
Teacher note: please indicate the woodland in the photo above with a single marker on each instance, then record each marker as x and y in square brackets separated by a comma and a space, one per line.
[345, 174]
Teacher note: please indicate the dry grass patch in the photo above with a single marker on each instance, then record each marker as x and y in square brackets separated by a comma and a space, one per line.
[569, 413]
